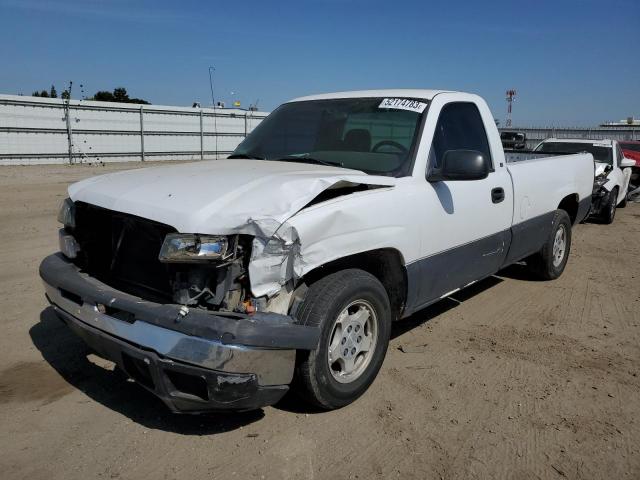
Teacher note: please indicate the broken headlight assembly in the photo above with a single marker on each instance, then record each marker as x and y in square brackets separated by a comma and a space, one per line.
[207, 270]
[600, 180]
[67, 213]
[192, 247]
[598, 184]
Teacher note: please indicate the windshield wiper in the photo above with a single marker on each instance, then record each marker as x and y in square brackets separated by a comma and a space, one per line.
[305, 159]
[245, 156]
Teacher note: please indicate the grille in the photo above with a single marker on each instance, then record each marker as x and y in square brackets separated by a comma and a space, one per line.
[122, 250]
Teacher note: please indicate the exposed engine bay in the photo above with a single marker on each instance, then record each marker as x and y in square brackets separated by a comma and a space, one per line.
[122, 251]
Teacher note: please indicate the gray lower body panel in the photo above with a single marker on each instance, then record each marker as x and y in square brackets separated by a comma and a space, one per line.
[431, 278]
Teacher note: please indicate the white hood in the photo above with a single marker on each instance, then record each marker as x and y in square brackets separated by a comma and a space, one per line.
[218, 196]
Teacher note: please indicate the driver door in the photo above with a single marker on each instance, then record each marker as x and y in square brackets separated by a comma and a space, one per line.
[467, 222]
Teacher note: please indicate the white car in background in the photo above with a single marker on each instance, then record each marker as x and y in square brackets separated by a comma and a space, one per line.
[612, 171]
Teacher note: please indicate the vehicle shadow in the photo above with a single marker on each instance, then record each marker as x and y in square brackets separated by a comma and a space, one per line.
[518, 271]
[68, 355]
[436, 309]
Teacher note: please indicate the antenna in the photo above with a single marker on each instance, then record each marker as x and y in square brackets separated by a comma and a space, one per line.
[510, 96]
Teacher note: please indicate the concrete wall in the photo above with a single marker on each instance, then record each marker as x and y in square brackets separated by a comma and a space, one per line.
[536, 134]
[35, 130]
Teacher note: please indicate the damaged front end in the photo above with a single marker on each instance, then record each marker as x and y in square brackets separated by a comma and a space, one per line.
[600, 196]
[174, 311]
[154, 262]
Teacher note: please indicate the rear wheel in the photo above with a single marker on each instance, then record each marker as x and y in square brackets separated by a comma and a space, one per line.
[550, 261]
[351, 307]
[609, 212]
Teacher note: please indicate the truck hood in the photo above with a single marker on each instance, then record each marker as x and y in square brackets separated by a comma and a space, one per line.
[219, 196]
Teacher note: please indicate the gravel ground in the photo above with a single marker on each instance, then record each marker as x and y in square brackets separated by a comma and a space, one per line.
[511, 378]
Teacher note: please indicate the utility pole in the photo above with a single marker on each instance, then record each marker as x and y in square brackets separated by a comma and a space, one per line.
[510, 95]
[68, 119]
[213, 102]
[212, 69]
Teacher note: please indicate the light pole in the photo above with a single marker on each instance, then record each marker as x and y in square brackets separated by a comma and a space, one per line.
[215, 120]
[212, 69]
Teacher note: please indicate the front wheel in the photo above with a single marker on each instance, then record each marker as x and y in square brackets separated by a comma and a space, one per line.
[550, 261]
[352, 310]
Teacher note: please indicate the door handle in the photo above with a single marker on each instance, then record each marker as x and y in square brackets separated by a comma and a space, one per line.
[497, 195]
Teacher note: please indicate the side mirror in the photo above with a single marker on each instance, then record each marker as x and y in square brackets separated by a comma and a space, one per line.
[627, 162]
[461, 165]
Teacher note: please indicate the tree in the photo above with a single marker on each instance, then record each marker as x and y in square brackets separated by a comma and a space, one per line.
[139, 100]
[119, 95]
[44, 94]
[103, 96]
[53, 93]
[65, 95]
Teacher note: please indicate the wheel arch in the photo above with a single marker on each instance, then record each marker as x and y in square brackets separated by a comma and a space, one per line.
[386, 264]
[570, 204]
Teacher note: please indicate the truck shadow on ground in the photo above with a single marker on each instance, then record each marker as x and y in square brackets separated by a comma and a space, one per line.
[442, 306]
[291, 403]
[69, 356]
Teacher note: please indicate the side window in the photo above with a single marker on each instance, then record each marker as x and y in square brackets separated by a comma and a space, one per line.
[459, 127]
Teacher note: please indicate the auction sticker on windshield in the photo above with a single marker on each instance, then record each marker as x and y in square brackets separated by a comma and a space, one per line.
[403, 104]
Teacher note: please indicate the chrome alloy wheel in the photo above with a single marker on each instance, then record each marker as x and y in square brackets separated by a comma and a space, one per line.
[559, 246]
[353, 340]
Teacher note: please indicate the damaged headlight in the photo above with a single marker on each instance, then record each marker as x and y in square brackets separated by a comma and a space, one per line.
[600, 180]
[67, 213]
[190, 247]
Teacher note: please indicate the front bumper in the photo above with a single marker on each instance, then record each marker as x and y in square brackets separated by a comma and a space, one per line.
[599, 200]
[192, 359]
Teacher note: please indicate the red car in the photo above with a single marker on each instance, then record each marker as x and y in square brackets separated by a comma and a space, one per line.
[631, 149]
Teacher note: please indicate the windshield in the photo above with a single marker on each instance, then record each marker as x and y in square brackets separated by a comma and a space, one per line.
[600, 153]
[375, 135]
[634, 147]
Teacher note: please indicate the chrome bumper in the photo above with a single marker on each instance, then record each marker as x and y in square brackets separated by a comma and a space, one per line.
[147, 326]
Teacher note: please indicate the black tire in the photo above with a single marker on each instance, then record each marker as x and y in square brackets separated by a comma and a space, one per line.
[324, 302]
[623, 203]
[609, 212]
[544, 264]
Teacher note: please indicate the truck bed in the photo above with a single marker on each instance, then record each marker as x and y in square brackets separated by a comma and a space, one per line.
[540, 179]
[512, 156]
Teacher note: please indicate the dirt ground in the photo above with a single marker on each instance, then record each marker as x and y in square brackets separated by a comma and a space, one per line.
[512, 378]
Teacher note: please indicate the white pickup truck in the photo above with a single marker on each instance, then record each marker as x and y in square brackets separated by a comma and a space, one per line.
[612, 171]
[219, 284]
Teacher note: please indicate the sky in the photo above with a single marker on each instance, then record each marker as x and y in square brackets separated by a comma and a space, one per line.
[571, 62]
